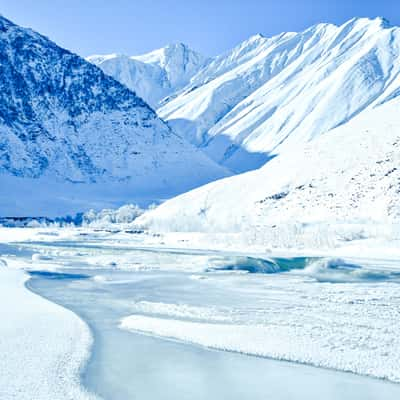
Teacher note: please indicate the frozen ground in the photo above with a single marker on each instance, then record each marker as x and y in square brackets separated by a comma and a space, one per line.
[331, 312]
[42, 345]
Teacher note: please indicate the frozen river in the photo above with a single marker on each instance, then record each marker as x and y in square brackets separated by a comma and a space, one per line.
[175, 317]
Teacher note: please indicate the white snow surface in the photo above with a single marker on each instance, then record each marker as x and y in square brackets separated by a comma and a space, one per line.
[42, 345]
[344, 183]
[268, 95]
[153, 76]
[328, 327]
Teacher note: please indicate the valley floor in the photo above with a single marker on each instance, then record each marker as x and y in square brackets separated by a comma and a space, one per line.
[310, 307]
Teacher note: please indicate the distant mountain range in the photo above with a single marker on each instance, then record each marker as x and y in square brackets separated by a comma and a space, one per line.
[269, 95]
[315, 111]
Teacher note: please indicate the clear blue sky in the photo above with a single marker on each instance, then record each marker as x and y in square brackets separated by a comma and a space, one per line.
[209, 26]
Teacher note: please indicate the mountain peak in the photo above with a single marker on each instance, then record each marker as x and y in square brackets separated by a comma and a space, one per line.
[164, 55]
[385, 23]
[5, 23]
[154, 75]
[380, 22]
[253, 42]
[99, 58]
[177, 46]
[257, 36]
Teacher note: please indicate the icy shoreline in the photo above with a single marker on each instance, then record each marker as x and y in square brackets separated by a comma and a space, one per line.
[43, 345]
[270, 342]
[339, 316]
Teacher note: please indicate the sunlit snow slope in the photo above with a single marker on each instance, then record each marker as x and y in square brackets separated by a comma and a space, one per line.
[269, 95]
[350, 174]
[155, 75]
[64, 124]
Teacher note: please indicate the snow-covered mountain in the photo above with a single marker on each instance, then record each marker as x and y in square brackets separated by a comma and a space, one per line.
[350, 174]
[155, 75]
[269, 95]
[63, 120]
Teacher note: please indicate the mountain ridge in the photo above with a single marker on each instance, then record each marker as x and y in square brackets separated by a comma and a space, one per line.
[328, 119]
[245, 106]
[154, 75]
[235, 99]
[63, 120]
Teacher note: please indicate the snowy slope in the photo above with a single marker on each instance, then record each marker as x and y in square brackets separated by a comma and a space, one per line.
[155, 75]
[63, 120]
[272, 94]
[350, 174]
